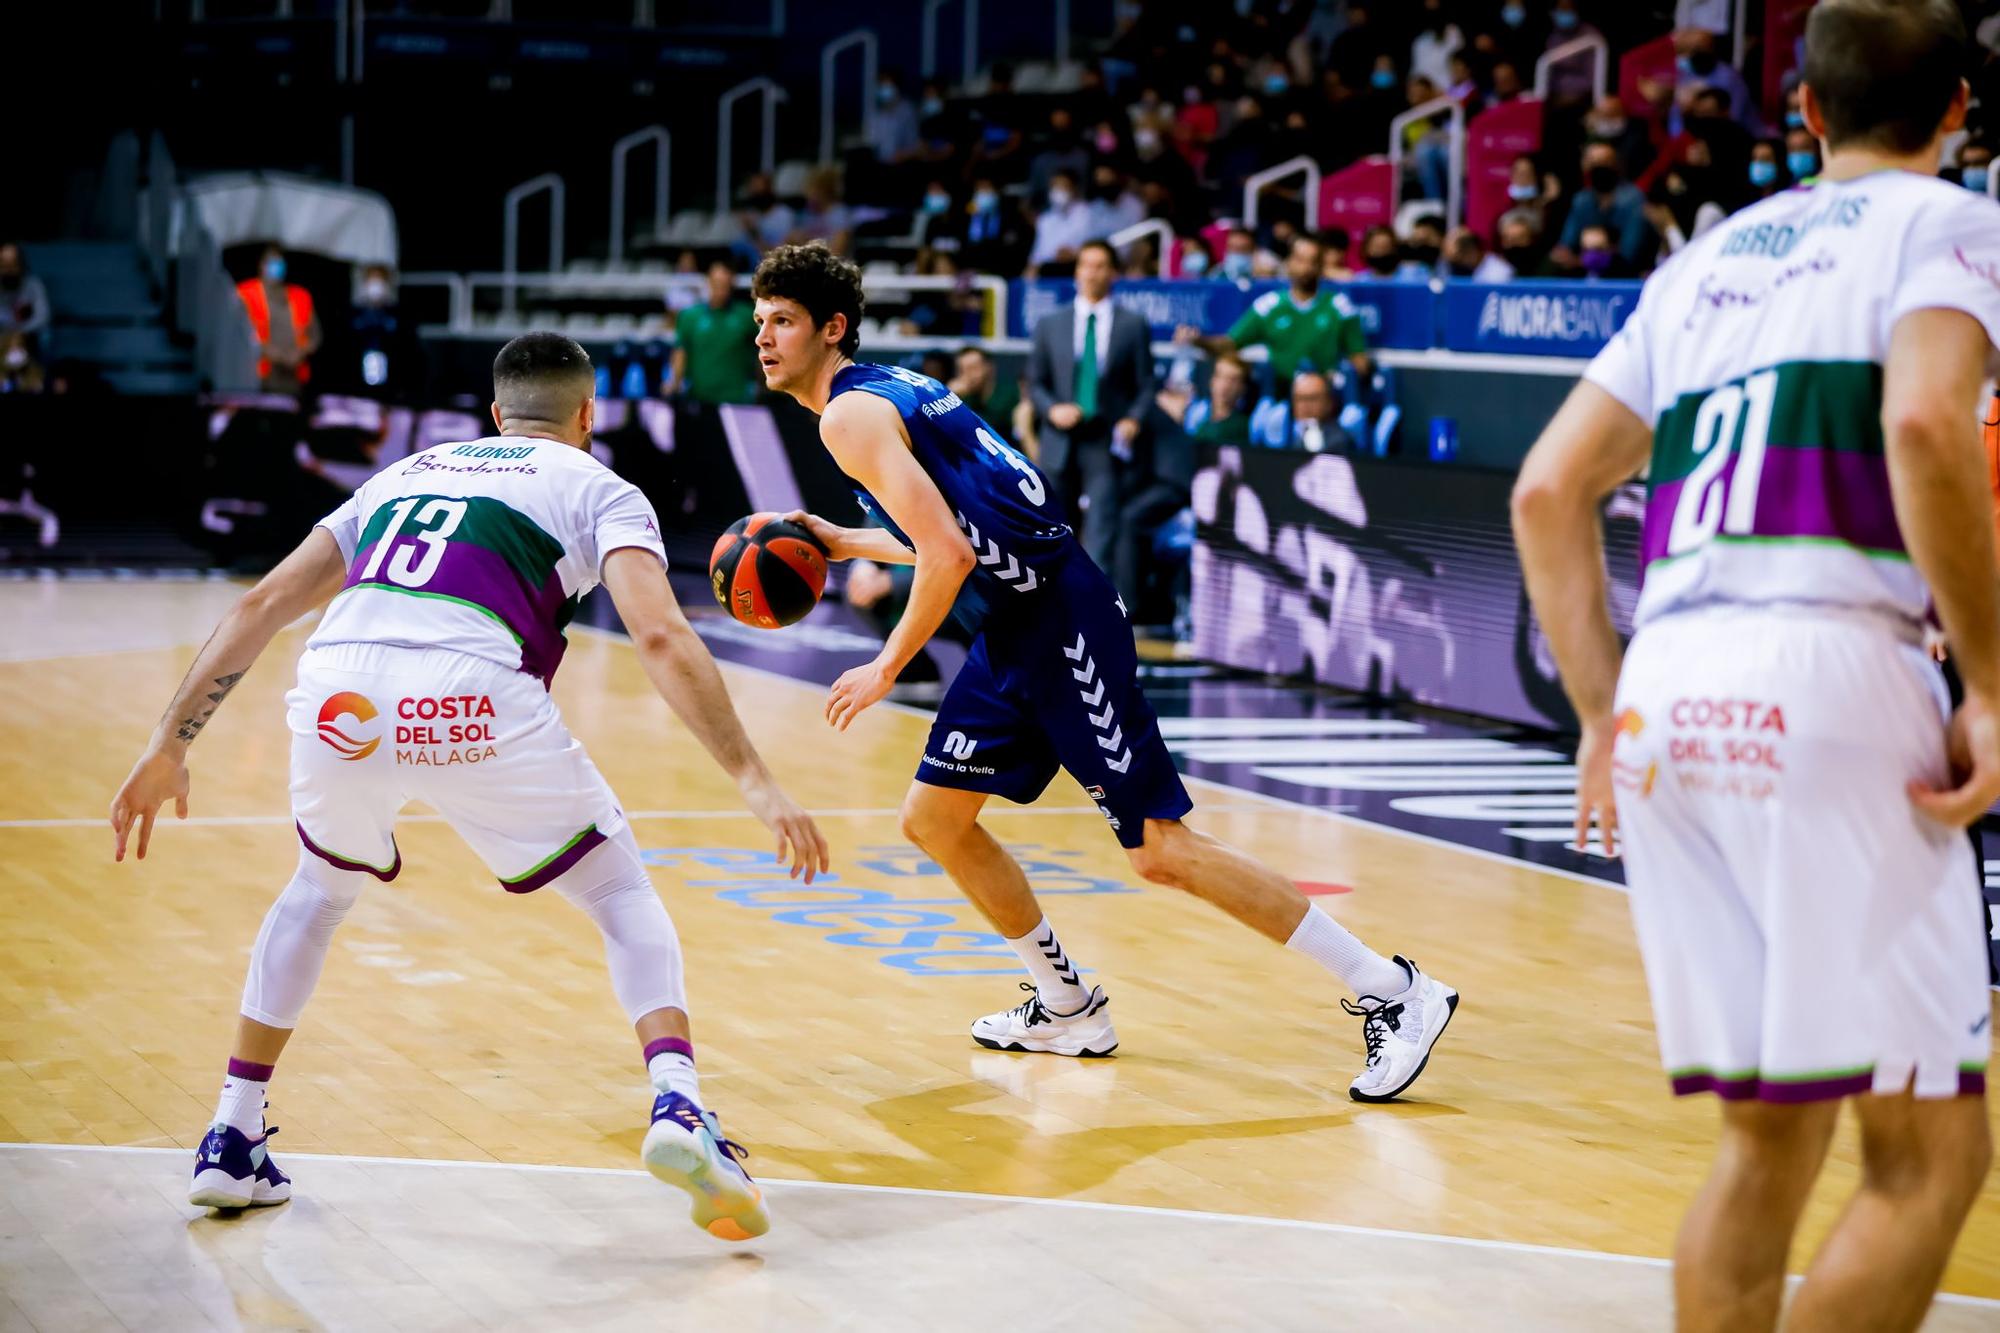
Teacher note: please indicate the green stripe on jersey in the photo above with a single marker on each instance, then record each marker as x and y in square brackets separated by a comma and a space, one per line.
[1833, 405]
[493, 524]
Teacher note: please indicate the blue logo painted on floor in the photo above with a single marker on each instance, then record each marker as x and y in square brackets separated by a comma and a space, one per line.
[926, 937]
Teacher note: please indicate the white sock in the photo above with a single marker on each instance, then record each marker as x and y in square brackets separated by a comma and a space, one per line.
[673, 1072]
[1338, 950]
[1056, 979]
[242, 1105]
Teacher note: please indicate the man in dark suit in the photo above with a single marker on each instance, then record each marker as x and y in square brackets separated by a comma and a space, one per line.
[1090, 376]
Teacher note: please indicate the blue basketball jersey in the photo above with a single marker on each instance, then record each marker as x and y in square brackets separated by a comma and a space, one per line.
[1006, 507]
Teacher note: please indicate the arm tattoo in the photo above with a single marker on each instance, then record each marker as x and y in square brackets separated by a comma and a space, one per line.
[190, 727]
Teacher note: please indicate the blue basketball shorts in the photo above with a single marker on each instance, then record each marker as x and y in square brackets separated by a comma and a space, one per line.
[1052, 682]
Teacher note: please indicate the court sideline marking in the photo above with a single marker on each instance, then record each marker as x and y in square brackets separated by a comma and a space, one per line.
[910, 1191]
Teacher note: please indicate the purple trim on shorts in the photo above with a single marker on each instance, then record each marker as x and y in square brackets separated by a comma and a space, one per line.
[250, 1073]
[1971, 1083]
[669, 1046]
[557, 864]
[342, 863]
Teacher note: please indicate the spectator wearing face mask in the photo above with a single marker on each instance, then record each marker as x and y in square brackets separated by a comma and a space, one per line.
[1520, 35]
[1802, 157]
[1609, 122]
[1708, 140]
[1570, 81]
[384, 346]
[1596, 258]
[284, 323]
[1466, 256]
[1381, 253]
[1239, 256]
[1610, 201]
[1112, 206]
[1423, 250]
[994, 236]
[1356, 52]
[24, 305]
[892, 130]
[1975, 166]
[1680, 211]
[1063, 226]
[1060, 151]
[1767, 169]
[1521, 245]
[1533, 192]
[1698, 66]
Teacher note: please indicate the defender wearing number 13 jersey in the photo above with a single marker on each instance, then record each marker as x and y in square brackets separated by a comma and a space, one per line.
[1807, 932]
[428, 676]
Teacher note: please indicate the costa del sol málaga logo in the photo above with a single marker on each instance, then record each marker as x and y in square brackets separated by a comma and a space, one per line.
[347, 703]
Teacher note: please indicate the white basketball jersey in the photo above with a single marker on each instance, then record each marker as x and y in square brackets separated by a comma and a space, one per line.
[1756, 355]
[482, 548]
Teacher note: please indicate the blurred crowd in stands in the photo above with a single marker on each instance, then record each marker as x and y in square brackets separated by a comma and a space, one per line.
[1186, 102]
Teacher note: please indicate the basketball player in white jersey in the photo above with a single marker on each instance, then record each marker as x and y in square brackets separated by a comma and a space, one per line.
[1803, 384]
[452, 574]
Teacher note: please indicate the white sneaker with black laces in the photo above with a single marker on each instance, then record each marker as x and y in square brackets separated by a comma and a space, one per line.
[1032, 1026]
[1399, 1033]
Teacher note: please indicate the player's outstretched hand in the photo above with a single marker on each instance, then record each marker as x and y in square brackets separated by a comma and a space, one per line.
[799, 839]
[1595, 798]
[855, 690]
[1972, 744]
[156, 777]
[831, 535]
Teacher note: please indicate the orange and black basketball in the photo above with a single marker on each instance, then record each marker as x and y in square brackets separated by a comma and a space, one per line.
[767, 572]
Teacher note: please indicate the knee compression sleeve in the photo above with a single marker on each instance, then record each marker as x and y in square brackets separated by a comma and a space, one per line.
[291, 948]
[644, 953]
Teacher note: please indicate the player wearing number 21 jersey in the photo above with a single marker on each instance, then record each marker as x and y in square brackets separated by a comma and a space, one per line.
[1051, 681]
[1801, 385]
[452, 575]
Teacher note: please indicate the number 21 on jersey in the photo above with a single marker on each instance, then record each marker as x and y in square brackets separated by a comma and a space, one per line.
[1734, 422]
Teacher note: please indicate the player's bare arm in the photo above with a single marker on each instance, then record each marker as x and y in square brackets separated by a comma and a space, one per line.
[877, 544]
[1938, 478]
[682, 670]
[865, 435]
[1593, 444]
[306, 578]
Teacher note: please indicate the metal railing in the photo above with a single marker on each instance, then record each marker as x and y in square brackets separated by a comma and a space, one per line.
[1454, 185]
[663, 165]
[511, 245]
[1253, 186]
[725, 132]
[969, 39]
[1155, 227]
[1556, 55]
[828, 55]
[556, 285]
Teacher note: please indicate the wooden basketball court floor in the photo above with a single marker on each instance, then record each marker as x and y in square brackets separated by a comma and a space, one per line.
[462, 1107]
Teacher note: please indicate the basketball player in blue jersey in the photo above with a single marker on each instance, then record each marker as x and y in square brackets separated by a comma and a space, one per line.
[1051, 680]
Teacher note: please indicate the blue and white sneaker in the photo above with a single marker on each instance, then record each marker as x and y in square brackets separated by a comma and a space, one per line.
[233, 1170]
[685, 1148]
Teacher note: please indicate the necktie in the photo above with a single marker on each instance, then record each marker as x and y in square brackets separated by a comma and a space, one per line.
[1086, 368]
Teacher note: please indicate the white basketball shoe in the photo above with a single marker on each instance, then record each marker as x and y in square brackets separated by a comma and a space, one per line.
[1031, 1026]
[1399, 1033]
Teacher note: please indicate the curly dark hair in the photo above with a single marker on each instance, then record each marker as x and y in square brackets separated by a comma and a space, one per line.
[818, 279]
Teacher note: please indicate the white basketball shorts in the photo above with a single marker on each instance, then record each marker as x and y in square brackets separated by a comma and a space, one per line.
[374, 726]
[1807, 934]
